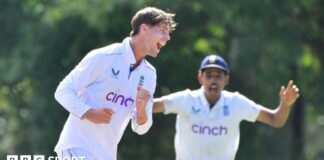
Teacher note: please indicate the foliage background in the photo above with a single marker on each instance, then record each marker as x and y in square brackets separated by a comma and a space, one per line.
[266, 43]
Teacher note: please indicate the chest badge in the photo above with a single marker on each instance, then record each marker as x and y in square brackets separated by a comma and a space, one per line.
[225, 110]
[141, 81]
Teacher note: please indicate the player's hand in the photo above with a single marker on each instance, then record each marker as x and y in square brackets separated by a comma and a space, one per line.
[101, 115]
[143, 96]
[289, 95]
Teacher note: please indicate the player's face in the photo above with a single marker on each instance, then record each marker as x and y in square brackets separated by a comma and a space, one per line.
[157, 36]
[213, 80]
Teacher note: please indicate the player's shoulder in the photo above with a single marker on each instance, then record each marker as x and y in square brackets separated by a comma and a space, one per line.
[233, 96]
[114, 49]
[193, 93]
[180, 96]
[229, 94]
[188, 93]
[185, 92]
[149, 66]
[105, 54]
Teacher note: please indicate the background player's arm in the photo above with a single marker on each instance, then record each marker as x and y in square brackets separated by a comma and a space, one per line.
[278, 117]
[158, 105]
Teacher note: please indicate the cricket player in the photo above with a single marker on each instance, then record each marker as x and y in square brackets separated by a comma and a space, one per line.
[208, 119]
[111, 86]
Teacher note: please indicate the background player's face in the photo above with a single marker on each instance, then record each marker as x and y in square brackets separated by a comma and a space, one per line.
[213, 80]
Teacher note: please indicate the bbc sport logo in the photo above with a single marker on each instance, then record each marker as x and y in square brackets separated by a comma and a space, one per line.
[41, 157]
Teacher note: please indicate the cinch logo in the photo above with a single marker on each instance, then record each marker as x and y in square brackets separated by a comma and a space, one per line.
[206, 130]
[117, 98]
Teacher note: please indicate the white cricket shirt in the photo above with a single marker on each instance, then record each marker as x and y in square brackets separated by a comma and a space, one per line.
[206, 134]
[104, 79]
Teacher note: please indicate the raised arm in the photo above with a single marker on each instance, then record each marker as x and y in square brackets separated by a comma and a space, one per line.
[142, 119]
[142, 98]
[278, 117]
[158, 105]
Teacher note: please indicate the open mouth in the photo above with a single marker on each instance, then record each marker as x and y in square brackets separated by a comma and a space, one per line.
[213, 88]
[159, 45]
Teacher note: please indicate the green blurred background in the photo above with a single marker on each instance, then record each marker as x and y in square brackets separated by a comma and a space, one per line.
[266, 43]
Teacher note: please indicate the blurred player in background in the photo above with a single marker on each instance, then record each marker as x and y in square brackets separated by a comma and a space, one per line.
[208, 119]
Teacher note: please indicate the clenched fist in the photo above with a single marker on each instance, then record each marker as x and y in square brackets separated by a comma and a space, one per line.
[143, 96]
[101, 115]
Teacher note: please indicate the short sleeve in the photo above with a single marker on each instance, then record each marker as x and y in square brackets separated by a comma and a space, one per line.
[249, 110]
[175, 102]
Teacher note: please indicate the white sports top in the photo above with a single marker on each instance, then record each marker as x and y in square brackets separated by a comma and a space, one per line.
[206, 134]
[104, 79]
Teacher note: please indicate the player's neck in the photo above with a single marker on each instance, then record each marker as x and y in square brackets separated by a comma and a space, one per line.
[138, 52]
[212, 99]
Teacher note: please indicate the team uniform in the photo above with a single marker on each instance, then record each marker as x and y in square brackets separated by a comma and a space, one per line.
[104, 78]
[203, 133]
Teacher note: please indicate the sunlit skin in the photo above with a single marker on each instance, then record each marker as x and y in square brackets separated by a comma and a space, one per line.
[150, 40]
[214, 81]
[278, 117]
[157, 37]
